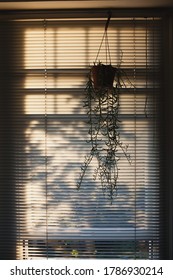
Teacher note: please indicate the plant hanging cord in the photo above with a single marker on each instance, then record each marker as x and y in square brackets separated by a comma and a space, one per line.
[105, 36]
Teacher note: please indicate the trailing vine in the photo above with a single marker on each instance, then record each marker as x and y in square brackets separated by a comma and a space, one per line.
[102, 106]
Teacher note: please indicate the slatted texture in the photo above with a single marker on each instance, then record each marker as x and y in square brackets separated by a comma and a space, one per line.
[43, 123]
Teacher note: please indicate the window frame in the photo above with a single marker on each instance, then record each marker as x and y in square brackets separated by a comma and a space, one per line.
[167, 146]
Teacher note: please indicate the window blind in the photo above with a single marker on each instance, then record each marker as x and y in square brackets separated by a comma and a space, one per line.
[44, 140]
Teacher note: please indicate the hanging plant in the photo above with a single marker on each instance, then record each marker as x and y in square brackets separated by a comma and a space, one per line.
[102, 105]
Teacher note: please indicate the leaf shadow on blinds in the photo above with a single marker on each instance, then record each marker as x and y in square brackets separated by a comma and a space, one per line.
[45, 123]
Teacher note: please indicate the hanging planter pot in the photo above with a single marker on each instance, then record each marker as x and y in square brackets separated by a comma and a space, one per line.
[103, 76]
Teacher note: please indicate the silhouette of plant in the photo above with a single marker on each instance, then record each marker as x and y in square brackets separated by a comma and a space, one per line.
[102, 105]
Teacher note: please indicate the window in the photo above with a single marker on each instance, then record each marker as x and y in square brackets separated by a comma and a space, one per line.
[45, 123]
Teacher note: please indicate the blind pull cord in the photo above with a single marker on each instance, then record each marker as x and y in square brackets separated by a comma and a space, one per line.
[45, 96]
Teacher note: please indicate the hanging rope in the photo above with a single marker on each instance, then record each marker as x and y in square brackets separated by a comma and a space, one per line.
[105, 38]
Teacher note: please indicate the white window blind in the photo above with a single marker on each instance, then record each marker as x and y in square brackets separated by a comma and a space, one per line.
[44, 128]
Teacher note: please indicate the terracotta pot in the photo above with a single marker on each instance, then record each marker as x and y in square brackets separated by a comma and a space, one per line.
[103, 76]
